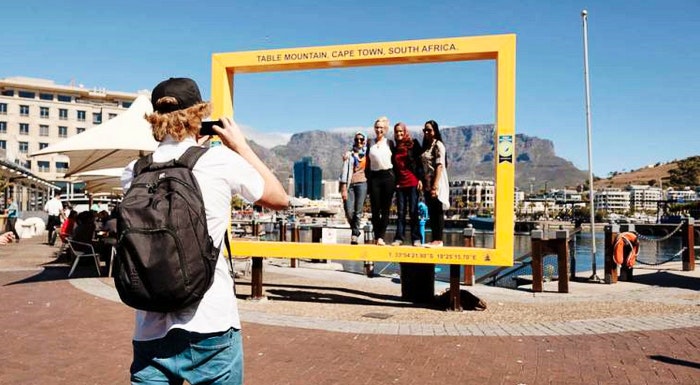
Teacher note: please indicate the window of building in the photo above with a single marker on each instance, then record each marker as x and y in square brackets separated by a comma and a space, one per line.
[78, 130]
[62, 131]
[126, 104]
[64, 98]
[81, 116]
[24, 147]
[3, 108]
[61, 166]
[43, 146]
[3, 127]
[44, 112]
[46, 96]
[8, 92]
[111, 116]
[43, 166]
[27, 164]
[24, 128]
[43, 130]
[27, 94]
[96, 118]
[3, 144]
[23, 110]
[63, 113]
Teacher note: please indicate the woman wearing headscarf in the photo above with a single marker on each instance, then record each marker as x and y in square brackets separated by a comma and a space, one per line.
[408, 170]
[435, 183]
[353, 184]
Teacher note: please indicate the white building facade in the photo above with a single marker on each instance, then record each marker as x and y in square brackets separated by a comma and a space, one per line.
[612, 200]
[35, 113]
[645, 198]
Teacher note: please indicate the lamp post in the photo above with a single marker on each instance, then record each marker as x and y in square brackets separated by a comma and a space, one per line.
[584, 16]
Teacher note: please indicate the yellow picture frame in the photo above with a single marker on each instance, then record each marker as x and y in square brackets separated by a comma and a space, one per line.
[500, 48]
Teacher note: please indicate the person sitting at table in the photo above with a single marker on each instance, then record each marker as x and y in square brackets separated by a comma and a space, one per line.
[84, 230]
[68, 226]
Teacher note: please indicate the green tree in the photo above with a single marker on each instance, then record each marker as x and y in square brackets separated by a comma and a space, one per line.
[686, 173]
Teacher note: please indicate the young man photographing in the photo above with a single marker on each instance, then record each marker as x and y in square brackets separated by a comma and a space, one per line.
[201, 343]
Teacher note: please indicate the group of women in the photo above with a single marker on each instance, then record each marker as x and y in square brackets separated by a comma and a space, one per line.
[402, 166]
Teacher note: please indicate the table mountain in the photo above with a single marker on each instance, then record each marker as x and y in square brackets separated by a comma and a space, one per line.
[470, 155]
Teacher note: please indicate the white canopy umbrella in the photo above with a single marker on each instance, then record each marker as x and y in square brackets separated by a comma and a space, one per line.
[113, 143]
[101, 181]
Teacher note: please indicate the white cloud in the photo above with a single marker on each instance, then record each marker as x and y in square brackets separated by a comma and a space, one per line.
[265, 139]
[272, 139]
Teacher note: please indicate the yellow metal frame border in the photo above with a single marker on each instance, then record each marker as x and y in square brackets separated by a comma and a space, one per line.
[500, 48]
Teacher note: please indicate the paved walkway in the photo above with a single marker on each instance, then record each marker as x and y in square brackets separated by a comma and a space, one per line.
[63, 331]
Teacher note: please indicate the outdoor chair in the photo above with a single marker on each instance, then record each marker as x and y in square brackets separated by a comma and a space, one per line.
[82, 254]
[112, 253]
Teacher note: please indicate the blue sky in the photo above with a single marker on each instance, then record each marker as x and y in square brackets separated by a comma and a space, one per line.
[645, 83]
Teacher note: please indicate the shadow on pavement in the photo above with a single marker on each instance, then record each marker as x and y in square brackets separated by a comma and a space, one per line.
[335, 295]
[58, 273]
[676, 361]
[666, 279]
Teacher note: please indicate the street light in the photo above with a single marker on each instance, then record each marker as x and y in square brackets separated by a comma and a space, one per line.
[584, 15]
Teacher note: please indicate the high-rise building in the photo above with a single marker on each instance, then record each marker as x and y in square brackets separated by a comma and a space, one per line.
[307, 179]
[35, 113]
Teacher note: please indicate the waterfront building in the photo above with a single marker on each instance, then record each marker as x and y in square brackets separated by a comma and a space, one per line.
[681, 195]
[612, 200]
[565, 195]
[307, 179]
[35, 113]
[330, 188]
[645, 198]
[518, 197]
[479, 194]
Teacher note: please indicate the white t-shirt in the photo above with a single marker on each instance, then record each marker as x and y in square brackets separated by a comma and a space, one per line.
[54, 206]
[221, 173]
[380, 156]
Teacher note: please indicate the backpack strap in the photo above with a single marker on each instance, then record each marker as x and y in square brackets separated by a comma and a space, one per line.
[143, 163]
[191, 156]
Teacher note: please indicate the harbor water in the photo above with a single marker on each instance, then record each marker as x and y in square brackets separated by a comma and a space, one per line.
[651, 252]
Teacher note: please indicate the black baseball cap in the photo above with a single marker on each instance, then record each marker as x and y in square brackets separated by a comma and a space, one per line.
[184, 90]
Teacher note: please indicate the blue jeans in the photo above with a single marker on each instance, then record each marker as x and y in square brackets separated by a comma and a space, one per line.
[407, 200]
[357, 192]
[213, 358]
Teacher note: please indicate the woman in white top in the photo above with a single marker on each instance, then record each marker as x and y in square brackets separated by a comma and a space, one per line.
[380, 178]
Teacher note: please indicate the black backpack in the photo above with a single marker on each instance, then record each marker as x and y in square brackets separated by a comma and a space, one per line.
[165, 256]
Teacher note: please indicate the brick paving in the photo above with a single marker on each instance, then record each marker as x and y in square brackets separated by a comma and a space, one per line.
[59, 331]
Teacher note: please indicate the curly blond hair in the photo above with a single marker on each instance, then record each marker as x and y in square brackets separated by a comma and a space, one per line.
[180, 123]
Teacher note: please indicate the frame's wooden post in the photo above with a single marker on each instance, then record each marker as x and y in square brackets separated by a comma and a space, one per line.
[611, 232]
[469, 278]
[256, 282]
[562, 246]
[256, 279]
[295, 235]
[689, 244]
[455, 298]
[283, 231]
[536, 256]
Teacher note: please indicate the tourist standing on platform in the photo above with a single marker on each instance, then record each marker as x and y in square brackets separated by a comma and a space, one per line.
[55, 209]
[408, 169]
[380, 179]
[435, 183]
[12, 212]
[353, 184]
[202, 342]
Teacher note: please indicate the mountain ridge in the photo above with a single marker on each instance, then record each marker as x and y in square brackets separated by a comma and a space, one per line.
[470, 155]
